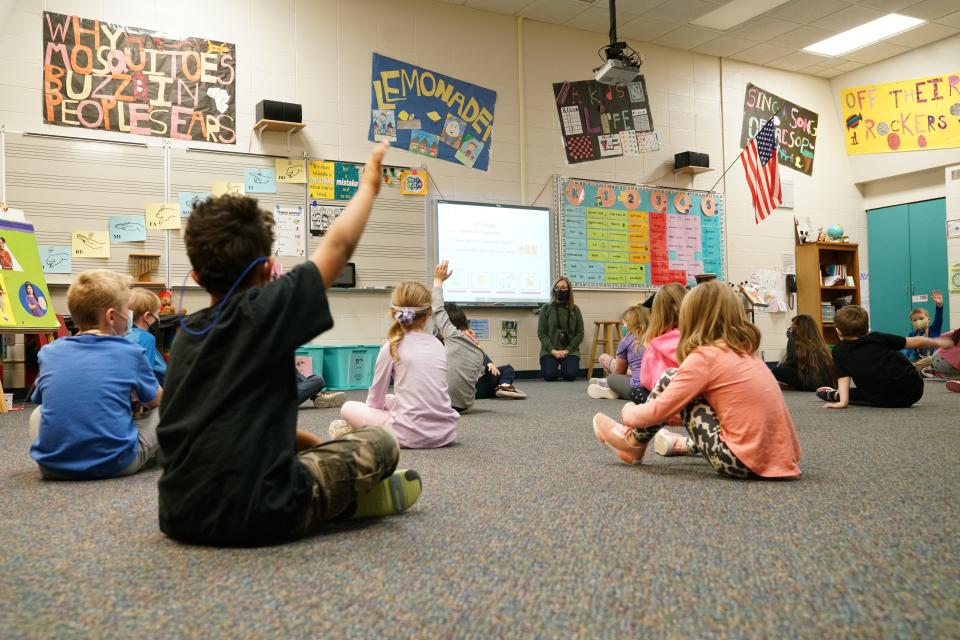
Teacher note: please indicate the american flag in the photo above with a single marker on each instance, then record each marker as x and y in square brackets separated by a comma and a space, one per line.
[760, 164]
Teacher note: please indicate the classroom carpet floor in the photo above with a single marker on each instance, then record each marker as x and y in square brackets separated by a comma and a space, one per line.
[527, 527]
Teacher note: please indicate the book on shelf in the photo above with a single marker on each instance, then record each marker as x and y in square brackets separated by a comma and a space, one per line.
[827, 311]
[833, 274]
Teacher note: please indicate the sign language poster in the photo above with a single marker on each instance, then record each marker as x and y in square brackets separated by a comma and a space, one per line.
[796, 134]
[99, 75]
[430, 114]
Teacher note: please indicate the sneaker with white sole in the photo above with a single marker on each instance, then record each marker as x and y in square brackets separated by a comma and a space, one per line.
[510, 391]
[390, 496]
[929, 373]
[596, 391]
[667, 443]
[339, 428]
[829, 394]
[600, 381]
[329, 399]
[618, 438]
[953, 385]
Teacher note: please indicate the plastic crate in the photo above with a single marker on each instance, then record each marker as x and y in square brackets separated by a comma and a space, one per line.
[348, 367]
[316, 353]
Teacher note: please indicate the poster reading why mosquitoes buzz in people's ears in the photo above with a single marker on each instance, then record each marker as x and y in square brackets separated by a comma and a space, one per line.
[24, 297]
[100, 75]
[431, 114]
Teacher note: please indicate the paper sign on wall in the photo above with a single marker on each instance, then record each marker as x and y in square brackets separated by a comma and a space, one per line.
[56, 258]
[322, 177]
[90, 244]
[127, 228]
[291, 171]
[796, 133]
[160, 215]
[24, 297]
[413, 183]
[509, 333]
[322, 217]
[480, 328]
[259, 180]
[189, 199]
[289, 231]
[227, 188]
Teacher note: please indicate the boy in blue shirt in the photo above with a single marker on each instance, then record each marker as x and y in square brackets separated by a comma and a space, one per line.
[88, 386]
[145, 305]
[236, 470]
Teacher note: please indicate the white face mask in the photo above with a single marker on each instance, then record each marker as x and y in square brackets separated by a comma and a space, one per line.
[129, 324]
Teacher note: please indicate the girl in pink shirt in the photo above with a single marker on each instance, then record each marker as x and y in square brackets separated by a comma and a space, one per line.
[728, 400]
[662, 335]
[419, 411]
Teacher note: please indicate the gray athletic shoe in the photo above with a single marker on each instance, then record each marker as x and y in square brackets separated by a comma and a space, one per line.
[329, 400]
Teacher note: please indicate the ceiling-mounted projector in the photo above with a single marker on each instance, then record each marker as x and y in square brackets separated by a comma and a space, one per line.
[621, 65]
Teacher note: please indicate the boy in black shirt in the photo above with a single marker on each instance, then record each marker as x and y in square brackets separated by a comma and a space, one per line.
[236, 470]
[883, 375]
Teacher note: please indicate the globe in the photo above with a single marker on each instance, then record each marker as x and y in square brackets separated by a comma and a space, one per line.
[835, 231]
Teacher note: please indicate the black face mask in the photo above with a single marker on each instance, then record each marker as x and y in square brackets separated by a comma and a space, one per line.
[561, 295]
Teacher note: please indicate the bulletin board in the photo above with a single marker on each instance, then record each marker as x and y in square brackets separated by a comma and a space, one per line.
[629, 236]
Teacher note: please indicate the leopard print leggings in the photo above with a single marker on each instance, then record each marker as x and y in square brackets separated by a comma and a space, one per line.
[704, 427]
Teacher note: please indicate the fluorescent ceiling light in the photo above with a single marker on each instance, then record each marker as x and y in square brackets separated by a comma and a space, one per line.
[736, 12]
[858, 37]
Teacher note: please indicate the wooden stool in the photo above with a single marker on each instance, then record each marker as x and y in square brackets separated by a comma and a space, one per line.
[606, 333]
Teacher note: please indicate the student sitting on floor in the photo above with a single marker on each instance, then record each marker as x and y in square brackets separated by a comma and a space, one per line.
[808, 364]
[470, 372]
[419, 410]
[946, 361]
[922, 327]
[560, 330]
[629, 354]
[729, 402]
[883, 375]
[661, 338]
[232, 474]
[145, 305]
[312, 388]
[95, 389]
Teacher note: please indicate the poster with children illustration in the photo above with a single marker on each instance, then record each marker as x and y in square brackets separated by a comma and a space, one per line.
[424, 143]
[24, 296]
[470, 149]
[384, 125]
[453, 130]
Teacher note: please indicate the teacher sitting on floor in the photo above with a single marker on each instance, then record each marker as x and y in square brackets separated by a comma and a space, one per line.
[560, 331]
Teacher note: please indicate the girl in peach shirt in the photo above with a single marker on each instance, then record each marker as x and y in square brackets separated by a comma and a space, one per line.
[728, 401]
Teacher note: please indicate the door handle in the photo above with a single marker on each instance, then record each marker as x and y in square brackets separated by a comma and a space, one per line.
[913, 288]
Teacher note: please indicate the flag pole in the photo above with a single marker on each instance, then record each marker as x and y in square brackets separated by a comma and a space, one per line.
[742, 151]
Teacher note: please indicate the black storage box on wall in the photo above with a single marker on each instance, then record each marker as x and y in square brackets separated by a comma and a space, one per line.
[282, 111]
[690, 159]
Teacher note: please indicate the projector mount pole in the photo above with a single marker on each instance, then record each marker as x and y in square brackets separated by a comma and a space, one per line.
[615, 50]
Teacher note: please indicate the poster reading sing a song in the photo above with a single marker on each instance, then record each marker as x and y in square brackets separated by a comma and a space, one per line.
[796, 133]
[111, 77]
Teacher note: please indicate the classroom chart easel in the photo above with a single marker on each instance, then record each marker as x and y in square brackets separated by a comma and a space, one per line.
[629, 236]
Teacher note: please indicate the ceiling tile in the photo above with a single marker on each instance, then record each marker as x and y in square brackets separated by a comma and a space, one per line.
[598, 19]
[848, 66]
[762, 29]
[646, 29]
[638, 6]
[761, 54]
[506, 7]
[814, 69]
[686, 37]
[952, 20]
[924, 34]
[806, 11]
[828, 73]
[875, 52]
[553, 11]
[930, 9]
[682, 11]
[724, 46]
[848, 19]
[802, 37]
[888, 6]
[796, 61]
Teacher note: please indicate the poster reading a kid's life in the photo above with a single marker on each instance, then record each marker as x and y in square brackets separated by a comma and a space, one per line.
[909, 115]
[24, 297]
[796, 133]
[603, 121]
[431, 114]
[99, 75]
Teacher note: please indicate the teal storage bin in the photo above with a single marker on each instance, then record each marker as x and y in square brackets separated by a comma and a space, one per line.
[347, 367]
[316, 353]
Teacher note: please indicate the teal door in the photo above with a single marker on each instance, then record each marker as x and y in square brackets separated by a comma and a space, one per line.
[928, 254]
[908, 257]
[888, 233]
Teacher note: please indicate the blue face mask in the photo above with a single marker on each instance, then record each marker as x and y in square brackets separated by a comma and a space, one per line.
[221, 304]
[623, 330]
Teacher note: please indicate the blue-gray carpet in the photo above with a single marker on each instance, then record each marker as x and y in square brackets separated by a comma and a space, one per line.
[527, 528]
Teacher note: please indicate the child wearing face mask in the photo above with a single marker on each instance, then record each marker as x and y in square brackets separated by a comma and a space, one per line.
[923, 328]
[85, 427]
[145, 306]
[560, 330]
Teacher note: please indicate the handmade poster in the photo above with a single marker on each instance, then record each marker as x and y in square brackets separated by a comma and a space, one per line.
[291, 171]
[227, 189]
[55, 258]
[100, 75]
[162, 215]
[480, 328]
[907, 115]
[602, 121]
[413, 183]
[90, 244]
[425, 143]
[619, 235]
[509, 334]
[453, 130]
[322, 217]
[470, 149]
[796, 133]
[259, 180]
[189, 199]
[384, 125]
[425, 98]
[289, 231]
[346, 180]
[322, 176]
[24, 297]
[127, 228]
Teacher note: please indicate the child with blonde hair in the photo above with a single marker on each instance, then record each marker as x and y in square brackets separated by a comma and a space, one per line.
[629, 354]
[660, 340]
[145, 305]
[729, 402]
[419, 411]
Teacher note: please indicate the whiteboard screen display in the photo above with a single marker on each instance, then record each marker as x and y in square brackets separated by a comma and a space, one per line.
[499, 254]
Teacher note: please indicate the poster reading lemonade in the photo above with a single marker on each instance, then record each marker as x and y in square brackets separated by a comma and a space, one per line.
[24, 296]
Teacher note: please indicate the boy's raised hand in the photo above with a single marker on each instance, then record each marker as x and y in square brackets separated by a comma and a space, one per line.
[441, 273]
[372, 177]
[937, 297]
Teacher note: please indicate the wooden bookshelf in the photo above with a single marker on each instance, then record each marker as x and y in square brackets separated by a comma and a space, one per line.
[811, 293]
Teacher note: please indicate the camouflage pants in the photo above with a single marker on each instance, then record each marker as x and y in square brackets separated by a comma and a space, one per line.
[703, 425]
[344, 468]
